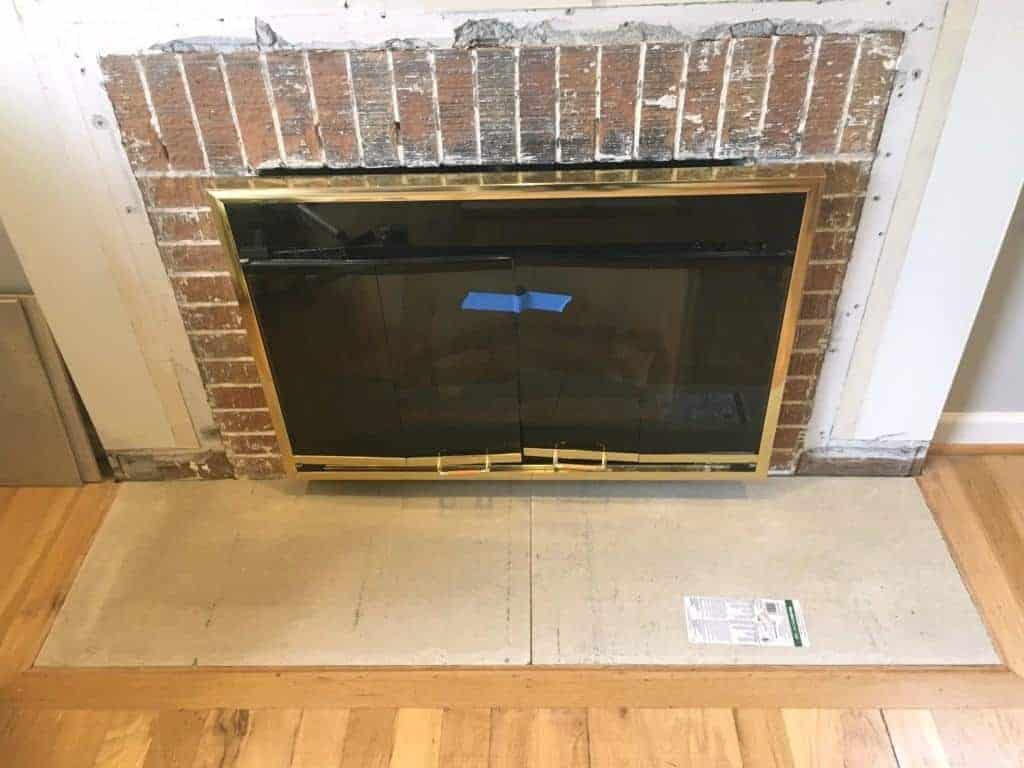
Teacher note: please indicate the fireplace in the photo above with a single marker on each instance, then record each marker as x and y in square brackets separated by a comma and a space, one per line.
[627, 324]
[783, 100]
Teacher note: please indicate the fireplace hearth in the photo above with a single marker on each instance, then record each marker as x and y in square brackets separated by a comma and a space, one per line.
[627, 325]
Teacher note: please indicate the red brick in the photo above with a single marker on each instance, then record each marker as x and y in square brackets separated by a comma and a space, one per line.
[797, 389]
[577, 103]
[226, 318]
[124, 87]
[537, 105]
[290, 86]
[229, 372]
[839, 212]
[817, 306]
[832, 246]
[620, 70]
[372, 85]
[206, 84]
[783, 459]
[334, 106]
[195, 258]
[167, 90]
[748, 75]
[846, 178]
[259, 444]
[824, 277]
[804, 364]
[203, 289]
[810, 338]
[828, 94]
[243, 421]
[174, 191]
[258, 467]
[662, 73]
[788, 438]
[795, 414]
[703, 95]
[786, 95]
[184, 225]
[252, 105]
[495, 76]
[872, 87]
[230, 396]
[455, 103]
[417, 128]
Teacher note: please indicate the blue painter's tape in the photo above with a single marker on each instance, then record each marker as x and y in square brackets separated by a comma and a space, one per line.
[516, 302]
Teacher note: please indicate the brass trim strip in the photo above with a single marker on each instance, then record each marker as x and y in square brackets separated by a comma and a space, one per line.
[429, 462]
[652, 182]
[581, 454]
[699, 458]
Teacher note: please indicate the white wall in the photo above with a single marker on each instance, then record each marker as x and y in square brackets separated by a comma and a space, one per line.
[12, 276]
[986, 404]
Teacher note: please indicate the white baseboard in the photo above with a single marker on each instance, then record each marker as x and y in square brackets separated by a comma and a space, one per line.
[998, 427]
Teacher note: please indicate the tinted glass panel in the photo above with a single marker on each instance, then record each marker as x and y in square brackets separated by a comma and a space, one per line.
[642, 325]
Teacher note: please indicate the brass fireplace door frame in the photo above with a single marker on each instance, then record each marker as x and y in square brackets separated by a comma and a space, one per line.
[566, 463]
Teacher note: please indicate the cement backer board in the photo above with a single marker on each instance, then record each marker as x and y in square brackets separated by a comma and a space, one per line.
[862, 555]
[279, 573]
[249, 573]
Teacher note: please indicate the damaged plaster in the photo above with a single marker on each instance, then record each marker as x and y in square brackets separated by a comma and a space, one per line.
[494, 32]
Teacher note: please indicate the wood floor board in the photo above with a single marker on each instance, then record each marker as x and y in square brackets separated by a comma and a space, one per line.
[915, 738]
[974, 516]
[523, 687]
[27, 625]
[320, 738]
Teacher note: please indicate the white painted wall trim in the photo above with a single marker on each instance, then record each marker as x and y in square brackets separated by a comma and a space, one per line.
[970, 198]
[992, 427]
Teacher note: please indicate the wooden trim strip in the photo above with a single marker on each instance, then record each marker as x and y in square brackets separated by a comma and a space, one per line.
[977, 522]
[254, 688]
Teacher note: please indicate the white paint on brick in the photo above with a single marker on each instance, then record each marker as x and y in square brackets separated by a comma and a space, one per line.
[726, 75]
[355, 108]
[767, 90]
[153, 120]
[558, 107]
[681, 101]
[313, 106]
[805, 110]
[436, 105]
[476, 104]
[639, 99]
[231, 108]
[192, 111]
[598, 66]
[274, 116]
[399, 149]
[849, 93]
[516, 117]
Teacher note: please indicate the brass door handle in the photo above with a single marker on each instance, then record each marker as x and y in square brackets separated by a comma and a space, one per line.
[466, 471]
[560, 465]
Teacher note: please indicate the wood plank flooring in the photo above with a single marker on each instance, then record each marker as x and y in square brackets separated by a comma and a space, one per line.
[503, 718]
[513, 738]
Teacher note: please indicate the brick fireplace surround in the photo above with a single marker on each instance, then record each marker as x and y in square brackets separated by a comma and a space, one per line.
[186, 119]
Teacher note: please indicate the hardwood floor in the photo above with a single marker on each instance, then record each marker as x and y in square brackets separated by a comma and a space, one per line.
[512, 738]
[796, 717]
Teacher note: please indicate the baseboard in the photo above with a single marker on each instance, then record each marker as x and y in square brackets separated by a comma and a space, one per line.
[982, 428]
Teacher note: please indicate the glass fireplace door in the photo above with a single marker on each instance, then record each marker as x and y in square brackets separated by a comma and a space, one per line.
[659, 353]
[374, 358]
